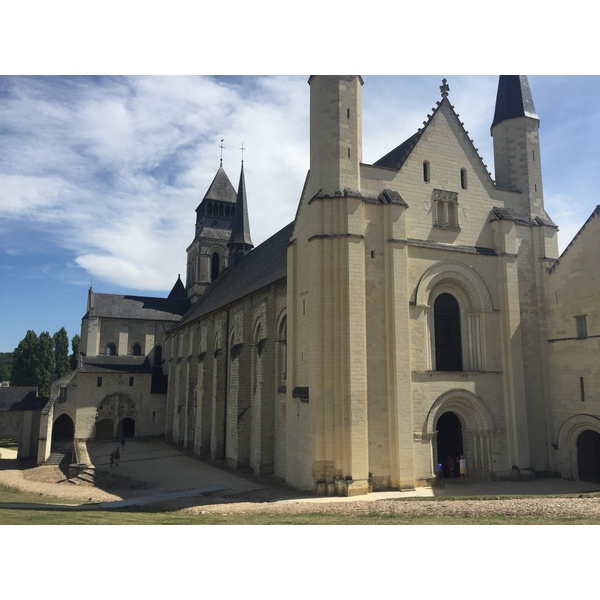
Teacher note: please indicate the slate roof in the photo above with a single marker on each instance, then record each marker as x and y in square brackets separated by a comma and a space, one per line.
[240, 230]
[264, 265]
[115, 364]
[19, 397]
[221, 188]
[513, 99]
[178, 291]
[120, 306]
[395, 159]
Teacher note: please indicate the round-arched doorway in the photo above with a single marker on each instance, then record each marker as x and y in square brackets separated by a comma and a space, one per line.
[449, 443]
[126, 428]
[588, 456]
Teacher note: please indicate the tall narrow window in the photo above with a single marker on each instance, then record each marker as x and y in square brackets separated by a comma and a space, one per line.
[158, 356]
[448, 343]
[282, 354]
[463, 179]
[581, 326]
[426, 171]
[214, 266]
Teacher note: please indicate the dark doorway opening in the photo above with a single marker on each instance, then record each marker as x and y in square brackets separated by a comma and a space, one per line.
[104, 429]
[588, 456]
[126, 428]
[63, 428]
[63, 431]
[449, 443]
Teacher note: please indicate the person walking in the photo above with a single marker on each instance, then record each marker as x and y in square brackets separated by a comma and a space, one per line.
[123, 443]
[112, 458]
[117, 456]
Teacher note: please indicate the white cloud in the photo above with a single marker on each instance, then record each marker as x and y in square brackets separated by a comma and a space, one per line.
[112, 168]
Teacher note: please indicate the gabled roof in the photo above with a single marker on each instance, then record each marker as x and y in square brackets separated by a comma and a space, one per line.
[398, 156]
[261, 267]
[513, 99]
[117, 306]
[595, 214]
[19, 397]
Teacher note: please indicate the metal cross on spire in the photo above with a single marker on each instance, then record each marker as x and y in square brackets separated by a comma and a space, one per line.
[242, 149]
[221, 146]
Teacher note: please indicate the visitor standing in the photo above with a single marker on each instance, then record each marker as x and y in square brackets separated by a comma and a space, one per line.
[463, 469]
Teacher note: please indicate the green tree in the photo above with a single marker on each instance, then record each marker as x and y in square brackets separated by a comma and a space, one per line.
[6, 359]
[75, 347]
[25, 361]
[60, 342]
[47, 363]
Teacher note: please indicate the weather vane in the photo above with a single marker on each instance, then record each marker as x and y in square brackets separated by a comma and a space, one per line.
[221, 146]
[242, 149]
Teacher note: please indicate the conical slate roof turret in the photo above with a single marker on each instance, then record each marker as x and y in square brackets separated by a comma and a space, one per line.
[513, 99]
[178, 290]
[240, 241]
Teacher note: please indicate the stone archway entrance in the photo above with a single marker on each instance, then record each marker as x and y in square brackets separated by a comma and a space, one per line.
[126, 428]
[588, 456]
[63, 431]
[449, 442]
[459, 422]
[116, 417]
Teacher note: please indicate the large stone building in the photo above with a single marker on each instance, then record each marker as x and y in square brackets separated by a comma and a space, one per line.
[414, 310]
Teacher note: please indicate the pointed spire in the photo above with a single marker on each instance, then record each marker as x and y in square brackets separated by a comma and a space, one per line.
[513, 99]
[178, 290]
[240, 241]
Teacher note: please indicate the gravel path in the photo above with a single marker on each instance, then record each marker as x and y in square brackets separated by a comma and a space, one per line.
[252, 496]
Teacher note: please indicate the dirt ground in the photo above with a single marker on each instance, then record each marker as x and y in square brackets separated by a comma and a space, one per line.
[150, 469]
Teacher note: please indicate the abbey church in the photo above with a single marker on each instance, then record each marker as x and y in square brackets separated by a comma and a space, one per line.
[414, 311]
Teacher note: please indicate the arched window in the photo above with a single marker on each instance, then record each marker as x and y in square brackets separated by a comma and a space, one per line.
[110, 350]
[158, 356]
[215, 264]
[448, 343]
[136, 350]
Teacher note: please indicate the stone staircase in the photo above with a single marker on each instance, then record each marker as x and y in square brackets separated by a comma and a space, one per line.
[60, 455]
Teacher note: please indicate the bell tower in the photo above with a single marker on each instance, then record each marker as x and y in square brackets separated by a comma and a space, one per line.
[517, 159]
[207, 255]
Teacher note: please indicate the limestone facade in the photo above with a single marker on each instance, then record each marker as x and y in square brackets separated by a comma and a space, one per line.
[414, 311]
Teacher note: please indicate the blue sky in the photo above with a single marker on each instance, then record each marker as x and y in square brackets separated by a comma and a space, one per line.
[100, 175]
